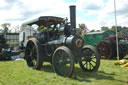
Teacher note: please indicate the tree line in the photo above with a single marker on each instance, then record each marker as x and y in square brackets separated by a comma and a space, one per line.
[121, 30]
[6, 28]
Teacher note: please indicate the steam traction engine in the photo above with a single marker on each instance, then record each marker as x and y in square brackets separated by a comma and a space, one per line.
[59, 45]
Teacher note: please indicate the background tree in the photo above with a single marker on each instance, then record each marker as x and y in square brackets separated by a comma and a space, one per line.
[104, 28]
[122, 31]
[97, 30]
[82, 26]
[80, 29]
[113, 28]
[92, 30]
[16, 28]
[5, 27]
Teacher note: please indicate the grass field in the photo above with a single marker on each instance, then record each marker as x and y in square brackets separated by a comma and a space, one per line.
[17, 73]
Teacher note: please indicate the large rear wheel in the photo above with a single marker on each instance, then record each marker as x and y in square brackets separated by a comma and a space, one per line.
[63, 61]
[105, 49]
[33, 54]
[90, 59]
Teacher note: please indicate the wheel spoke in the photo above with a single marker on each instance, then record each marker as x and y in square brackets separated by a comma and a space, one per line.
[29, 49]
[83, 59]
[60, 54]
[31, 63]
[91, 64]
[85, 52]
[93, 61]
[90, 52]
[85, 63]
[57, 59]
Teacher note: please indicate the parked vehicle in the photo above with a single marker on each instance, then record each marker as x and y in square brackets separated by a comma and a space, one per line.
[6, 51]
[105, 43]
[59, 45]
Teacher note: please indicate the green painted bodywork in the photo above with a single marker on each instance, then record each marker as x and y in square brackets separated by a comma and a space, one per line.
[93, 38]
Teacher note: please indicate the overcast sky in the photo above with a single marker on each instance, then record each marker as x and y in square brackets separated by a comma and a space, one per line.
[94, 13]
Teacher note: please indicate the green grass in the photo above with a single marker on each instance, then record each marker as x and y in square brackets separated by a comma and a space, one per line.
[17, 73]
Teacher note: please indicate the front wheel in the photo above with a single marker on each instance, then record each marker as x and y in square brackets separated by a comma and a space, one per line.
[63, 61]
[90, 59]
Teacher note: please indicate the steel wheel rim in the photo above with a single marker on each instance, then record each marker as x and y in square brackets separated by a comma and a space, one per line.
[62, 63]
[88, 60]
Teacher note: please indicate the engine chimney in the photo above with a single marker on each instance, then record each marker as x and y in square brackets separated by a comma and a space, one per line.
[73, 18]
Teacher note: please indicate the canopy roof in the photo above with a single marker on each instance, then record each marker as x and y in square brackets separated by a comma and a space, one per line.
[45, 20]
